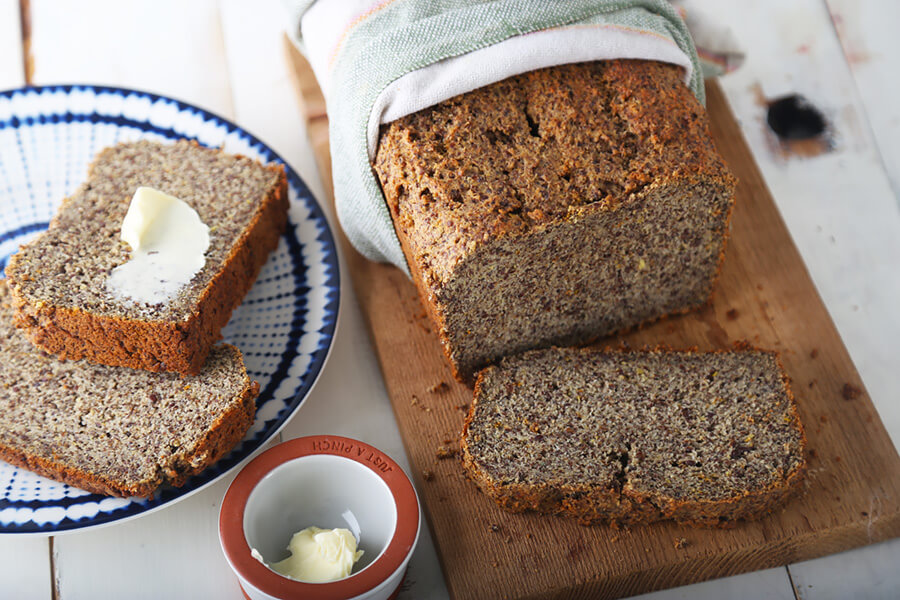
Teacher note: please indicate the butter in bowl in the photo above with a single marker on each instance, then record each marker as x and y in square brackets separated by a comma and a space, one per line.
[320, 517]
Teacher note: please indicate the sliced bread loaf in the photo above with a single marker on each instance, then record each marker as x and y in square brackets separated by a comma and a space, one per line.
[115, 430]
[635, 437]
[58, 281]
[557, 206]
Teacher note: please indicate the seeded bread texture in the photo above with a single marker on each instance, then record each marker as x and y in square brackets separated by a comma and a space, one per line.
[58, 281]
[115, 430]
[557, 206]
[634, 437]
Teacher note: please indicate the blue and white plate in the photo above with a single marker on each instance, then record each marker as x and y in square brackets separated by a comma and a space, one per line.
[284, 327]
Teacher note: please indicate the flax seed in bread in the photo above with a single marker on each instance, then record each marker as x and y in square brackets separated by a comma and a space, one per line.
[58, 281]
[557, 206]
[115, 430]
[634, 437]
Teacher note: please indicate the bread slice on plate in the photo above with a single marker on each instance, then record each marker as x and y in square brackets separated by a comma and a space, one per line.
[58, 281]
[634, 437]
[115, 430]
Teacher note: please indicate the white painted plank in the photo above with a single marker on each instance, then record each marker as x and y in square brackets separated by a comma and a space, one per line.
[172, 553]
[24, 560]
[863, 574]
[25, 567]
[12, 72]
[356, 406]
[265, 102]
[867, 30]
[839, 206]
[164, 46]
[772, 584]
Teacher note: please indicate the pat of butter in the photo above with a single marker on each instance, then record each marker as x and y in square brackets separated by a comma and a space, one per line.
[168, 242]
[319, 555]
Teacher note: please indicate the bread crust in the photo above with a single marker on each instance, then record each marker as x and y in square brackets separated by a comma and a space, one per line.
[181, 347]
[596, 504]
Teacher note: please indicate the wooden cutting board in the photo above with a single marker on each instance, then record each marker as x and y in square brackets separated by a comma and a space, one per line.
[764, 295]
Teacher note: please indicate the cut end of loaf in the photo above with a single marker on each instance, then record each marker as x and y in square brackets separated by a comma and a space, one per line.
[602, 270]
[634, 437]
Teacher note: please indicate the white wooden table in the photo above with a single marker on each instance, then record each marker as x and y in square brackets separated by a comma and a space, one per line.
[226, 56]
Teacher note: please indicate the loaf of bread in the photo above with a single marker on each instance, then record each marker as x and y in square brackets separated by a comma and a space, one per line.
[115, 430]
[634, 437]
[58, 281]
[557, 206]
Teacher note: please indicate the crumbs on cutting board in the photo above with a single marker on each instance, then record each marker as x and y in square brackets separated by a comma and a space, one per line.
[428, 475]
[416, 402]
[681, 543]
[850, 392]
[439, 388]
[445, 452]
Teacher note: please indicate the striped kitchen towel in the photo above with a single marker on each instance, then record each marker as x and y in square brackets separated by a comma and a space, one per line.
[379, 60]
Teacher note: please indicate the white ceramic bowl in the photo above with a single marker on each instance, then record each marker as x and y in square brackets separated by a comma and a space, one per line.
[326, 481]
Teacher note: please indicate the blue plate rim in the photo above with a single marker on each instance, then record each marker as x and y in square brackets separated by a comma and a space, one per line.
[330, 260]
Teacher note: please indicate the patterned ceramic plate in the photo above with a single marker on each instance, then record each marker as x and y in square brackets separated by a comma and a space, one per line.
[284, 327]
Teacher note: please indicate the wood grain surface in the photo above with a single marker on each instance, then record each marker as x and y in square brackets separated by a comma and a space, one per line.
[764, 295]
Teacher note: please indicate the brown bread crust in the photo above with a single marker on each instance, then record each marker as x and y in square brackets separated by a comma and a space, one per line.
[227, 431]
[623, 505]
[154, 345]
[465, 180]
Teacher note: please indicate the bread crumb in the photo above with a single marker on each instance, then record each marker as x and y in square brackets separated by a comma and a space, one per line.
[439, 388]
[463, 407]
[495, 527]
[414, 401]
[681, 543]
[732, 314]
[428, 475]
[850, 392]
[814, 353]
[445, 452]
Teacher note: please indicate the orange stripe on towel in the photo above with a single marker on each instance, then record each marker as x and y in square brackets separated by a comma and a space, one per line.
[359, 19]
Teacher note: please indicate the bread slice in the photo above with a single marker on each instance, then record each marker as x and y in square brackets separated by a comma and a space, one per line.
[635, 437]
[58, 281]
[557, 206]
[114, 430]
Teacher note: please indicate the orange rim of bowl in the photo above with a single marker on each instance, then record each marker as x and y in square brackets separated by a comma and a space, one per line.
[237, 549]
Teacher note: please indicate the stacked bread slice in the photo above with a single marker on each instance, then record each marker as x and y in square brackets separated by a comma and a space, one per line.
[115, 396]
